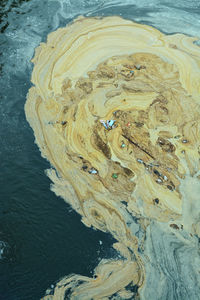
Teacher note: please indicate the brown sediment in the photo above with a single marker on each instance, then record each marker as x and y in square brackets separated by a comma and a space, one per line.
[139, 80]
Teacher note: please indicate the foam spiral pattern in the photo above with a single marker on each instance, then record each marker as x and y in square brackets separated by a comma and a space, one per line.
[136, 177]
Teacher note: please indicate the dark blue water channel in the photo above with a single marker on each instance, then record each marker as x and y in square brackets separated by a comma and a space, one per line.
[41, 238]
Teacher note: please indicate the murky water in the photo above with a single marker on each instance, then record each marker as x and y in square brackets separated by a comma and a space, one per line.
[41, 239]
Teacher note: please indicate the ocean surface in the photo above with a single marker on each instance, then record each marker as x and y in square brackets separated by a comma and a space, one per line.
[41, 238]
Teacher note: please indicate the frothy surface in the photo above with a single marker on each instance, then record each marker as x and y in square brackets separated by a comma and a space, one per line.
[115, 109]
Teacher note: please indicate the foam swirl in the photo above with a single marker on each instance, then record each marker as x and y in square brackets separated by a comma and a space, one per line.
[121, 177]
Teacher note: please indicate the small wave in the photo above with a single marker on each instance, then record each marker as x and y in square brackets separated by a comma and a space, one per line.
[4, 250]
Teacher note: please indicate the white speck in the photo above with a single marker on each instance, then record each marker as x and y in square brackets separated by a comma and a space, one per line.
[140, 160]
[92, 171]
[100, 242]
[159, 180]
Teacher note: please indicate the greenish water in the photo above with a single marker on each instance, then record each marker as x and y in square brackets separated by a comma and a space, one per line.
[42, 239]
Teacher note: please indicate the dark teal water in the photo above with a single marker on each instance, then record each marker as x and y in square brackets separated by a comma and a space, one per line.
[41, 238]
[44, 239]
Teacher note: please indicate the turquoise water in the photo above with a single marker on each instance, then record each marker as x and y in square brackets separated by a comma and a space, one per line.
[41, 238]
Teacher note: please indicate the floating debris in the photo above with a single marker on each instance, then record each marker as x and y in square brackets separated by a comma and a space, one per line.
[170, 187]
[184, 141]
[50, 123]
[63, 123]
[123, 145]
[159, 180]
[104, 124]
[84, 167]
[93, 171]
[132, 72]
[156, 200]
[153, 165]
[138, 67]
[114, 175]
[128, 124]
[183, 151]
[174, 226]
[109, 124]
[165, 178]
[161, 141]
[156, 172]
[140, 161]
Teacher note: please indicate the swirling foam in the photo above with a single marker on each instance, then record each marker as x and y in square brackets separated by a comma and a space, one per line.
[102, 69]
